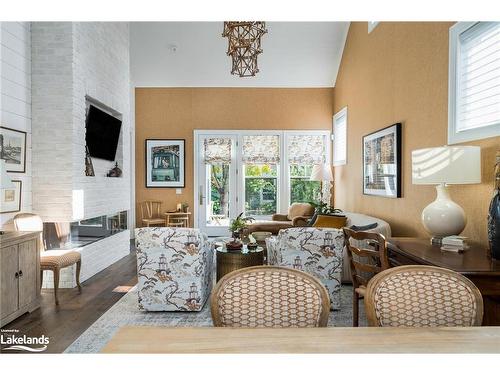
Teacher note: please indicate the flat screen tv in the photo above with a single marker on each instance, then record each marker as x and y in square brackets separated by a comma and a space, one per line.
[102, 134]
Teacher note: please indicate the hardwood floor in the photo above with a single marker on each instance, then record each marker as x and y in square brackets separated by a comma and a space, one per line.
[76, 312]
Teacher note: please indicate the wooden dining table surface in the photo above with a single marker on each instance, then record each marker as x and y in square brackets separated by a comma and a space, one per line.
[151, 339]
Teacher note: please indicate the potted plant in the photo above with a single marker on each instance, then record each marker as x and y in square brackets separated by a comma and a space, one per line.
[236, 227]
[322, 208]
[185, 207]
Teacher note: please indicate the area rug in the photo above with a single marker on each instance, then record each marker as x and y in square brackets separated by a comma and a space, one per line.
[125, 312]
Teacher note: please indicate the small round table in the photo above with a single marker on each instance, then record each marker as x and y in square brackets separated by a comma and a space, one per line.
[229, 261]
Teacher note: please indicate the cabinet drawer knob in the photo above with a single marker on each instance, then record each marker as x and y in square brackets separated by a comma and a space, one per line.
[16, 275]
[20, 273]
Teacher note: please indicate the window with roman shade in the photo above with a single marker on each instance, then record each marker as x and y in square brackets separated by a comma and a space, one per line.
[474, 97]
[217, 150]
[261, 156]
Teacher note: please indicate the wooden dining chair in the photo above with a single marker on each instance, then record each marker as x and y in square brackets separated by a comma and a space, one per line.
[364, 262]
[52, 260]
[268, 296]
[151, 213]
[422, 296]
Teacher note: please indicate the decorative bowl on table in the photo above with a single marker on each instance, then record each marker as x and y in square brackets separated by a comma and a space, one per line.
[261, 236]
[252, 246]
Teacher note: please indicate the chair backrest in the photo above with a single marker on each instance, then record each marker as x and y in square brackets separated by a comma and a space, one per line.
[300, 209]
[28, 222]
[268, 296]
[150, 209]
[422, 296]
[170, 239]
[365, 262]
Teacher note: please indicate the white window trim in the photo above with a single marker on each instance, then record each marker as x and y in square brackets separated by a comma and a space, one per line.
[339, 114]
[455, 136]
[372, 25]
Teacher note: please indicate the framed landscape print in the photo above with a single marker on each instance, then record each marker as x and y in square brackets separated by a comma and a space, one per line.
[13, 149]
[165, 163]
[382, 162]
[11, 198]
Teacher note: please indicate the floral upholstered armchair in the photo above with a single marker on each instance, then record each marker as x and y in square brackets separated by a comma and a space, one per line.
[317, 251]
[173, 268]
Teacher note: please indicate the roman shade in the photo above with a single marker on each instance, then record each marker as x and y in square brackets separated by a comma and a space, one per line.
[217, 150]
[263, 149]
[306, 149]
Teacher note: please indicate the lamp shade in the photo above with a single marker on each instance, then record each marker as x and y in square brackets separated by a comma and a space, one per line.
[322, 172]
[446, 165]
[5, 181]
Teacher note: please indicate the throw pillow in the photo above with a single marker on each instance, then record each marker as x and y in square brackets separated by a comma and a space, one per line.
[330, 221]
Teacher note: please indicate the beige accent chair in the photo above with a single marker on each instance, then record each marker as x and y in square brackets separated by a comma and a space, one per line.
[151, 213]
[53, 260]
[422, 296]
[272, 297]
[298, 215]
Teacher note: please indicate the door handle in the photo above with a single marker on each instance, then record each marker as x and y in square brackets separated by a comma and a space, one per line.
[201, 196]
[16, 275]
[20, 273]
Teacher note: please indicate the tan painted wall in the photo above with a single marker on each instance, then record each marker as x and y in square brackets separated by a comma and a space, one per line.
[174, 113]
[399, 73]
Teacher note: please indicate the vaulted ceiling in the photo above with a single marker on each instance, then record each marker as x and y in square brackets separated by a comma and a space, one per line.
[193, 54]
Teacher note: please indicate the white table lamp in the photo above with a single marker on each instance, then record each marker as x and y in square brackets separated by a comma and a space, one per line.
[322, 172]
[442, 166]
[5, 181]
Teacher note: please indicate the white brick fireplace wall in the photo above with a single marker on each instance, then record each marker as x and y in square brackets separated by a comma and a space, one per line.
[72, 61]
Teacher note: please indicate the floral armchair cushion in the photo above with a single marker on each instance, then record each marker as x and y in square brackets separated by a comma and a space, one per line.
[317, 251]
[173, 268]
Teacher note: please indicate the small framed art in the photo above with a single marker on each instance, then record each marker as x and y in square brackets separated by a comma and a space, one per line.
[11, 198]
[382, 162]
[165, 163]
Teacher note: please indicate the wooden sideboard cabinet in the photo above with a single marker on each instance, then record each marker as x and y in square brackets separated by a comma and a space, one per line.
[19, 274]
[472, 263]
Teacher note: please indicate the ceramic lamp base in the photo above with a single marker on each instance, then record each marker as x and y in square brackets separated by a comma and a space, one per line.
[443, 217]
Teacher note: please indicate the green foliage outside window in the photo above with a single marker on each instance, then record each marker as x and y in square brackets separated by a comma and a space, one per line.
[261, 189]
[301, 188]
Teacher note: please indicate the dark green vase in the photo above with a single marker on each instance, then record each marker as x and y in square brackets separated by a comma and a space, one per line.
[494, 226]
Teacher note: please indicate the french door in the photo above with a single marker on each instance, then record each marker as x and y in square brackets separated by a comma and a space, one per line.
[258, 173]
[217, 182]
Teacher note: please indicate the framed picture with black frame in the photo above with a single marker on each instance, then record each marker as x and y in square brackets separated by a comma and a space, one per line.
[13, 149]
[165, 163]
[382, 162]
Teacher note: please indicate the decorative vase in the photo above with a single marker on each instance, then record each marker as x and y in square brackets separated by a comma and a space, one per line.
[494, 215]
[234, 245]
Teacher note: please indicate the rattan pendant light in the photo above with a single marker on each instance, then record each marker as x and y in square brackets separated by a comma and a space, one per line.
[244, 45]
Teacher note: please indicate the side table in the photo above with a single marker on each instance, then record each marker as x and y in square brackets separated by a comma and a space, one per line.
[229, 261]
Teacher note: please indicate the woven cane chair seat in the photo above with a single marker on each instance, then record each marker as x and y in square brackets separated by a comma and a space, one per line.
[422, 296]
[267, 296]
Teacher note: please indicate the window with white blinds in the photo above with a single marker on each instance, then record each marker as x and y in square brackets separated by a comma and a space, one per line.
[474, 81]
[340, 137]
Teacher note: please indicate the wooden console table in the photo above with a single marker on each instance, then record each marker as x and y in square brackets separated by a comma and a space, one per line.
[472, 263]
[19, 274]
[144, 339]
